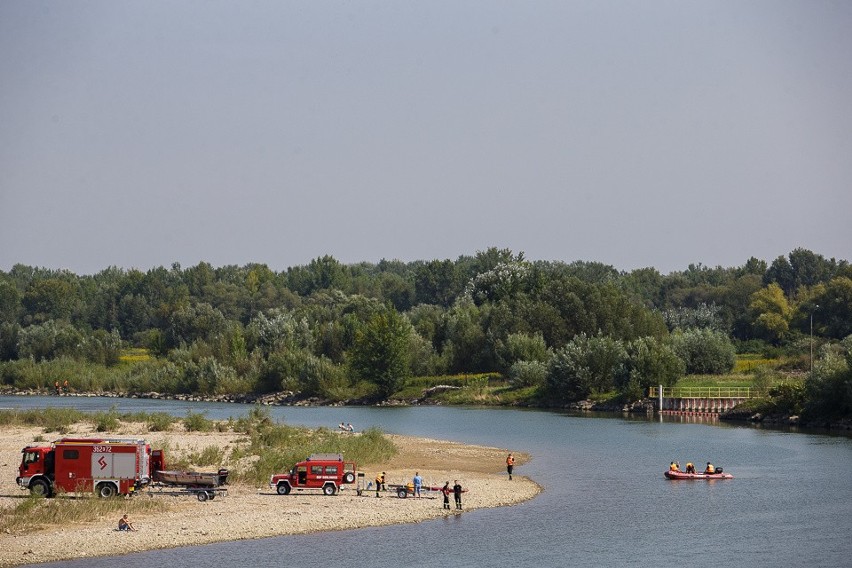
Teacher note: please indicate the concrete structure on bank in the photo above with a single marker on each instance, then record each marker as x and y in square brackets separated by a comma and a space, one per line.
[698, 400]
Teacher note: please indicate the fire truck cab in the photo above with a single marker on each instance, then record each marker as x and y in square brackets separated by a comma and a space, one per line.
[105, 466]
[320, 471]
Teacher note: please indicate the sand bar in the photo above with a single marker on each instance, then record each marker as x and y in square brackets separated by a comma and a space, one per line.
[187, 522]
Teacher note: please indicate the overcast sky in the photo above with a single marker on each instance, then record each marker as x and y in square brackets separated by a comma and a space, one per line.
[652, 133]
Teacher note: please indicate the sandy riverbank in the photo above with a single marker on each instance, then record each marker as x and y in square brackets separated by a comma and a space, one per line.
[185, 521]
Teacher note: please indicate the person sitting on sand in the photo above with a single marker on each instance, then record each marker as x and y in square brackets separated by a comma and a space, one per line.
[124, 524]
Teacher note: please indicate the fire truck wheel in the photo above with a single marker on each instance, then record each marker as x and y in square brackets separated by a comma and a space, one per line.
[349, 477]
[283, 489]
[40, 487]
[328, 489]
[202, 496]
[106, 490]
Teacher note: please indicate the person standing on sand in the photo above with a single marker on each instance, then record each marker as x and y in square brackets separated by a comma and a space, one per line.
[510, 464]
[418, 484]
[457, 491]
[446, 491]
[380, 483]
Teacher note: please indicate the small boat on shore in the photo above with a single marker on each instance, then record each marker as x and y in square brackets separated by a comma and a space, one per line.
[192, 478]
[683, 475]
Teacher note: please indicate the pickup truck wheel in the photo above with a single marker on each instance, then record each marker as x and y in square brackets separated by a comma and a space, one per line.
[329, 489]
[283, 489]
[106, 490]
[348, 477]
[40, 487]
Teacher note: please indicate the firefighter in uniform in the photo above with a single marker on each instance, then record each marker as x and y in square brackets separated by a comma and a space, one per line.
[380, 483]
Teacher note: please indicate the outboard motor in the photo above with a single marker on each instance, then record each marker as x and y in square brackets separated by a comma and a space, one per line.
[718, 470]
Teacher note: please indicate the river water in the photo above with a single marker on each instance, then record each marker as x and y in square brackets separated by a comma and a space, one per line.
[605, 501]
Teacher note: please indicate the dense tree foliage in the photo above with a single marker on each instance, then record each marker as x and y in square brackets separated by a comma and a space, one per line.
[586, 365]
[771, 313]
[704, 351]
[829, 387]
[651, 362]
[339, 331]
[380, 351]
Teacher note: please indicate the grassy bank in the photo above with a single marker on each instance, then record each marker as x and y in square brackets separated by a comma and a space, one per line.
[35, 512]
[757, 371]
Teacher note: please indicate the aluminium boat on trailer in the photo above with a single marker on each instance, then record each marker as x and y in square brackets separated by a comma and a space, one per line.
[192, 478]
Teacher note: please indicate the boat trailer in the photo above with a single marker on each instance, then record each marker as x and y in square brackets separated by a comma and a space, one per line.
[204, 485]
[201, 493]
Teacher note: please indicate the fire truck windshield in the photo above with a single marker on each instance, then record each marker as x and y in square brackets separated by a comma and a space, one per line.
[30, 457]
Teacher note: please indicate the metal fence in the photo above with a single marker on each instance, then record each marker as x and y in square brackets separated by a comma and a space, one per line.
[703, 392]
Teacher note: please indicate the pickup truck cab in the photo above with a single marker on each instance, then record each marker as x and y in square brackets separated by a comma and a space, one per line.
[320, 471]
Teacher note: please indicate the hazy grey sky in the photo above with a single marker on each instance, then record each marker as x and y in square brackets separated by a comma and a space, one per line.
[652, 133]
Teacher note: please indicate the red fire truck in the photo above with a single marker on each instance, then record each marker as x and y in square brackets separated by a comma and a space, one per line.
[320, 471]
[105, 466]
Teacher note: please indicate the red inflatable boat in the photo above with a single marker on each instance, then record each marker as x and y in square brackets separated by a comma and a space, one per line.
[683, 475]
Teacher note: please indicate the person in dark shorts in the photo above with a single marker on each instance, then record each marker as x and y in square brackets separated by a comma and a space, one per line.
[510, 464]
[124, 524]
[446, 491]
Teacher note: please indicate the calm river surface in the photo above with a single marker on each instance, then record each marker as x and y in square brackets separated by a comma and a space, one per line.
[605, 501]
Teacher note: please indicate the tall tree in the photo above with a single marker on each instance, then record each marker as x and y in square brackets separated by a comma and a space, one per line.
[771, 313]
[50, 299]
[833, 318]
[10, 300]
[380, 353]
[781, 272]
[435, 282]
[704, 351]
[810, 268]
[586, 365]
[651, 362]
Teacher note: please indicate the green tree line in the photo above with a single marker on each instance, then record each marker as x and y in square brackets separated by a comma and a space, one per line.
[353, 331]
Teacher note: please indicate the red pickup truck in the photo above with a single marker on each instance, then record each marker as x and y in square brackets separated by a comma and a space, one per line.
[320, 471]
